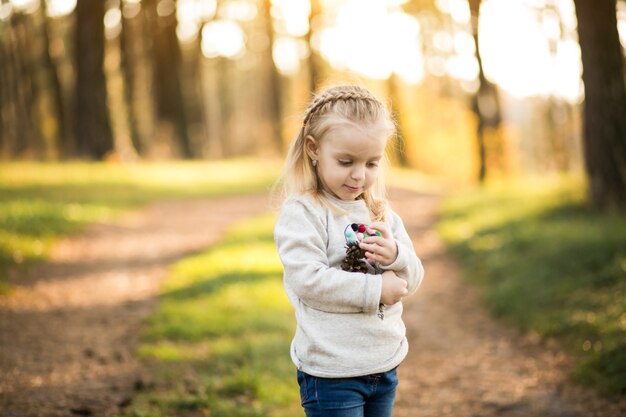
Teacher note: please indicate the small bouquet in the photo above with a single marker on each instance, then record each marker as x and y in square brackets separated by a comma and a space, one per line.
[355, 260]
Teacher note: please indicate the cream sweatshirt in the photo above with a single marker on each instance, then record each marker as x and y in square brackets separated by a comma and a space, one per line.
[338, 332]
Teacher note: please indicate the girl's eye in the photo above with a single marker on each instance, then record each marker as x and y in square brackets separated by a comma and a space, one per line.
[345, 163]
[372, 164]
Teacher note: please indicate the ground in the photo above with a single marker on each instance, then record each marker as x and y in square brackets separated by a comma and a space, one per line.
[70, 329]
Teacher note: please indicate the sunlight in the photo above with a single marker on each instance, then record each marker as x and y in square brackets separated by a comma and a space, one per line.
[565, 76]
[464, 65]
[187, 31]
[190, 14]
[621, 22]
[59, 8]
[457, 9]
[222, 38]
[373, 40]
[196, 10]
[239, 10]
[113, 22]
[130, 9]
[287, 53]
[6, 10]
[165, 8]
[407, 62]
[26, 6]
[291, 16]
[527, 57]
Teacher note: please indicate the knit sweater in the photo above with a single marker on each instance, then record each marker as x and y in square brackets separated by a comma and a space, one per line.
[338, 332]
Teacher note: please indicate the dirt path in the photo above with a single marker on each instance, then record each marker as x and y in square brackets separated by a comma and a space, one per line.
[464, 364]
[67, 335]
[69, 332]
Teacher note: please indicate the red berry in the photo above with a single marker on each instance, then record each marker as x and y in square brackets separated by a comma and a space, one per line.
[362, 228]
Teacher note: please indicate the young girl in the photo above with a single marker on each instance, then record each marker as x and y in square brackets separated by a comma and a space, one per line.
[350, 336]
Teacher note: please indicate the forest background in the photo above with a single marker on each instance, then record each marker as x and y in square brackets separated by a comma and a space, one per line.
[207, 79]
[483, 92]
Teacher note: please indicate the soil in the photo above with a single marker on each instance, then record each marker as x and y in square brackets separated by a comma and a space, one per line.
[461, 361]
[69, 331]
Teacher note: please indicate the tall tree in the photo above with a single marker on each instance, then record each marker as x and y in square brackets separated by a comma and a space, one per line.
[400, 145]
[315, 60]
[128, 57]
[92, 125]
[485, 102]
[167, 60]
[52, 83]
[274, 84]
[605, 102]
[138, 73]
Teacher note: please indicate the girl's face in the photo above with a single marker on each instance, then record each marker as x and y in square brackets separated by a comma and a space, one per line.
[348, 159]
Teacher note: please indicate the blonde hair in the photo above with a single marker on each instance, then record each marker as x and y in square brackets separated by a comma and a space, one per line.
[328, 109]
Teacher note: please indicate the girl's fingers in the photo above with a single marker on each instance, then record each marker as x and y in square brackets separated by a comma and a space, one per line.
[382, 228]
[379, 255]
[374, 240]
[373, 247]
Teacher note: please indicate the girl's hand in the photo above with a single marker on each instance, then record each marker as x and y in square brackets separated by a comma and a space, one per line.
[382, 249]
[393, 288]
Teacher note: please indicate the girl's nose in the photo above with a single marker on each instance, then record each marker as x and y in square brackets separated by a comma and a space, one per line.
[358, 173]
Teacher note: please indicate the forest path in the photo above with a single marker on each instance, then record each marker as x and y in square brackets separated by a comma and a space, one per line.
[461, 361]
[69, 331]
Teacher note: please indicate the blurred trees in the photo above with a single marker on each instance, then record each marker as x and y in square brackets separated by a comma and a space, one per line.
[166, 63]
[127, 79]
[485, 101]
[93, 135]
[605, 102]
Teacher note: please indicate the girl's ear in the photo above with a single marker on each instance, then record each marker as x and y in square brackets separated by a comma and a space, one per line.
[311, 146]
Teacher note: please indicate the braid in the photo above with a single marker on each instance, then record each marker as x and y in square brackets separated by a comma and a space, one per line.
[340, 93]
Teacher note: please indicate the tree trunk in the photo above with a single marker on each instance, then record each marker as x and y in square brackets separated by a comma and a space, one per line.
[22, 88]
[485, 102]
[274, 82]
[93, 133]
[400, 145]
[128, 63]
[605, 103]
[167, 62]
[53, 84]
[314, 60]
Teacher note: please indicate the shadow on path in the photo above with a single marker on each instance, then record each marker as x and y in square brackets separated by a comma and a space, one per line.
[462, 362]
[69, 331]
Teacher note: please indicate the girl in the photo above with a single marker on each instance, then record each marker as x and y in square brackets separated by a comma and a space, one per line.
[350, 336]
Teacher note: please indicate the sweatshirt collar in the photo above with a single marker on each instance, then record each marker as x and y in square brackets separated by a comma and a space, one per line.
[347, 205]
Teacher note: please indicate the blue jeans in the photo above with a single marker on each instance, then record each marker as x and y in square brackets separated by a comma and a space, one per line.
[362, 396]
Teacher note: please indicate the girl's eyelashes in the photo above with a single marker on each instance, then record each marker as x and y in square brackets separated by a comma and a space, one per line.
[348, 163]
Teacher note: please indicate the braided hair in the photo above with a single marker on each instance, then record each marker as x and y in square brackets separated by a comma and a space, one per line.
[328, 109]
[364, 102]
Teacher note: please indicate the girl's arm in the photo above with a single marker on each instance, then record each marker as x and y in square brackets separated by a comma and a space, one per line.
[300, 237]
[406, 265]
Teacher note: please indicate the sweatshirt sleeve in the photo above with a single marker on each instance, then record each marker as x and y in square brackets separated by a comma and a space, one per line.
[407, 265]
[300, 236]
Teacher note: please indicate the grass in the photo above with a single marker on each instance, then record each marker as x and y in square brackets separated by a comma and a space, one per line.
[40, 202]
[220, 337]
[549, 264]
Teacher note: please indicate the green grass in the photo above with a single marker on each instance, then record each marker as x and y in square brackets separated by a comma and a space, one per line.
[220, 337]
[549, 264]
[40, 202]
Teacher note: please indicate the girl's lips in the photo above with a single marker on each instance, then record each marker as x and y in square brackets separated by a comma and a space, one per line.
[353, 189]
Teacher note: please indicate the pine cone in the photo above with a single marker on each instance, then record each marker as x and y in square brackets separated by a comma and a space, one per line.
[355, 260]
